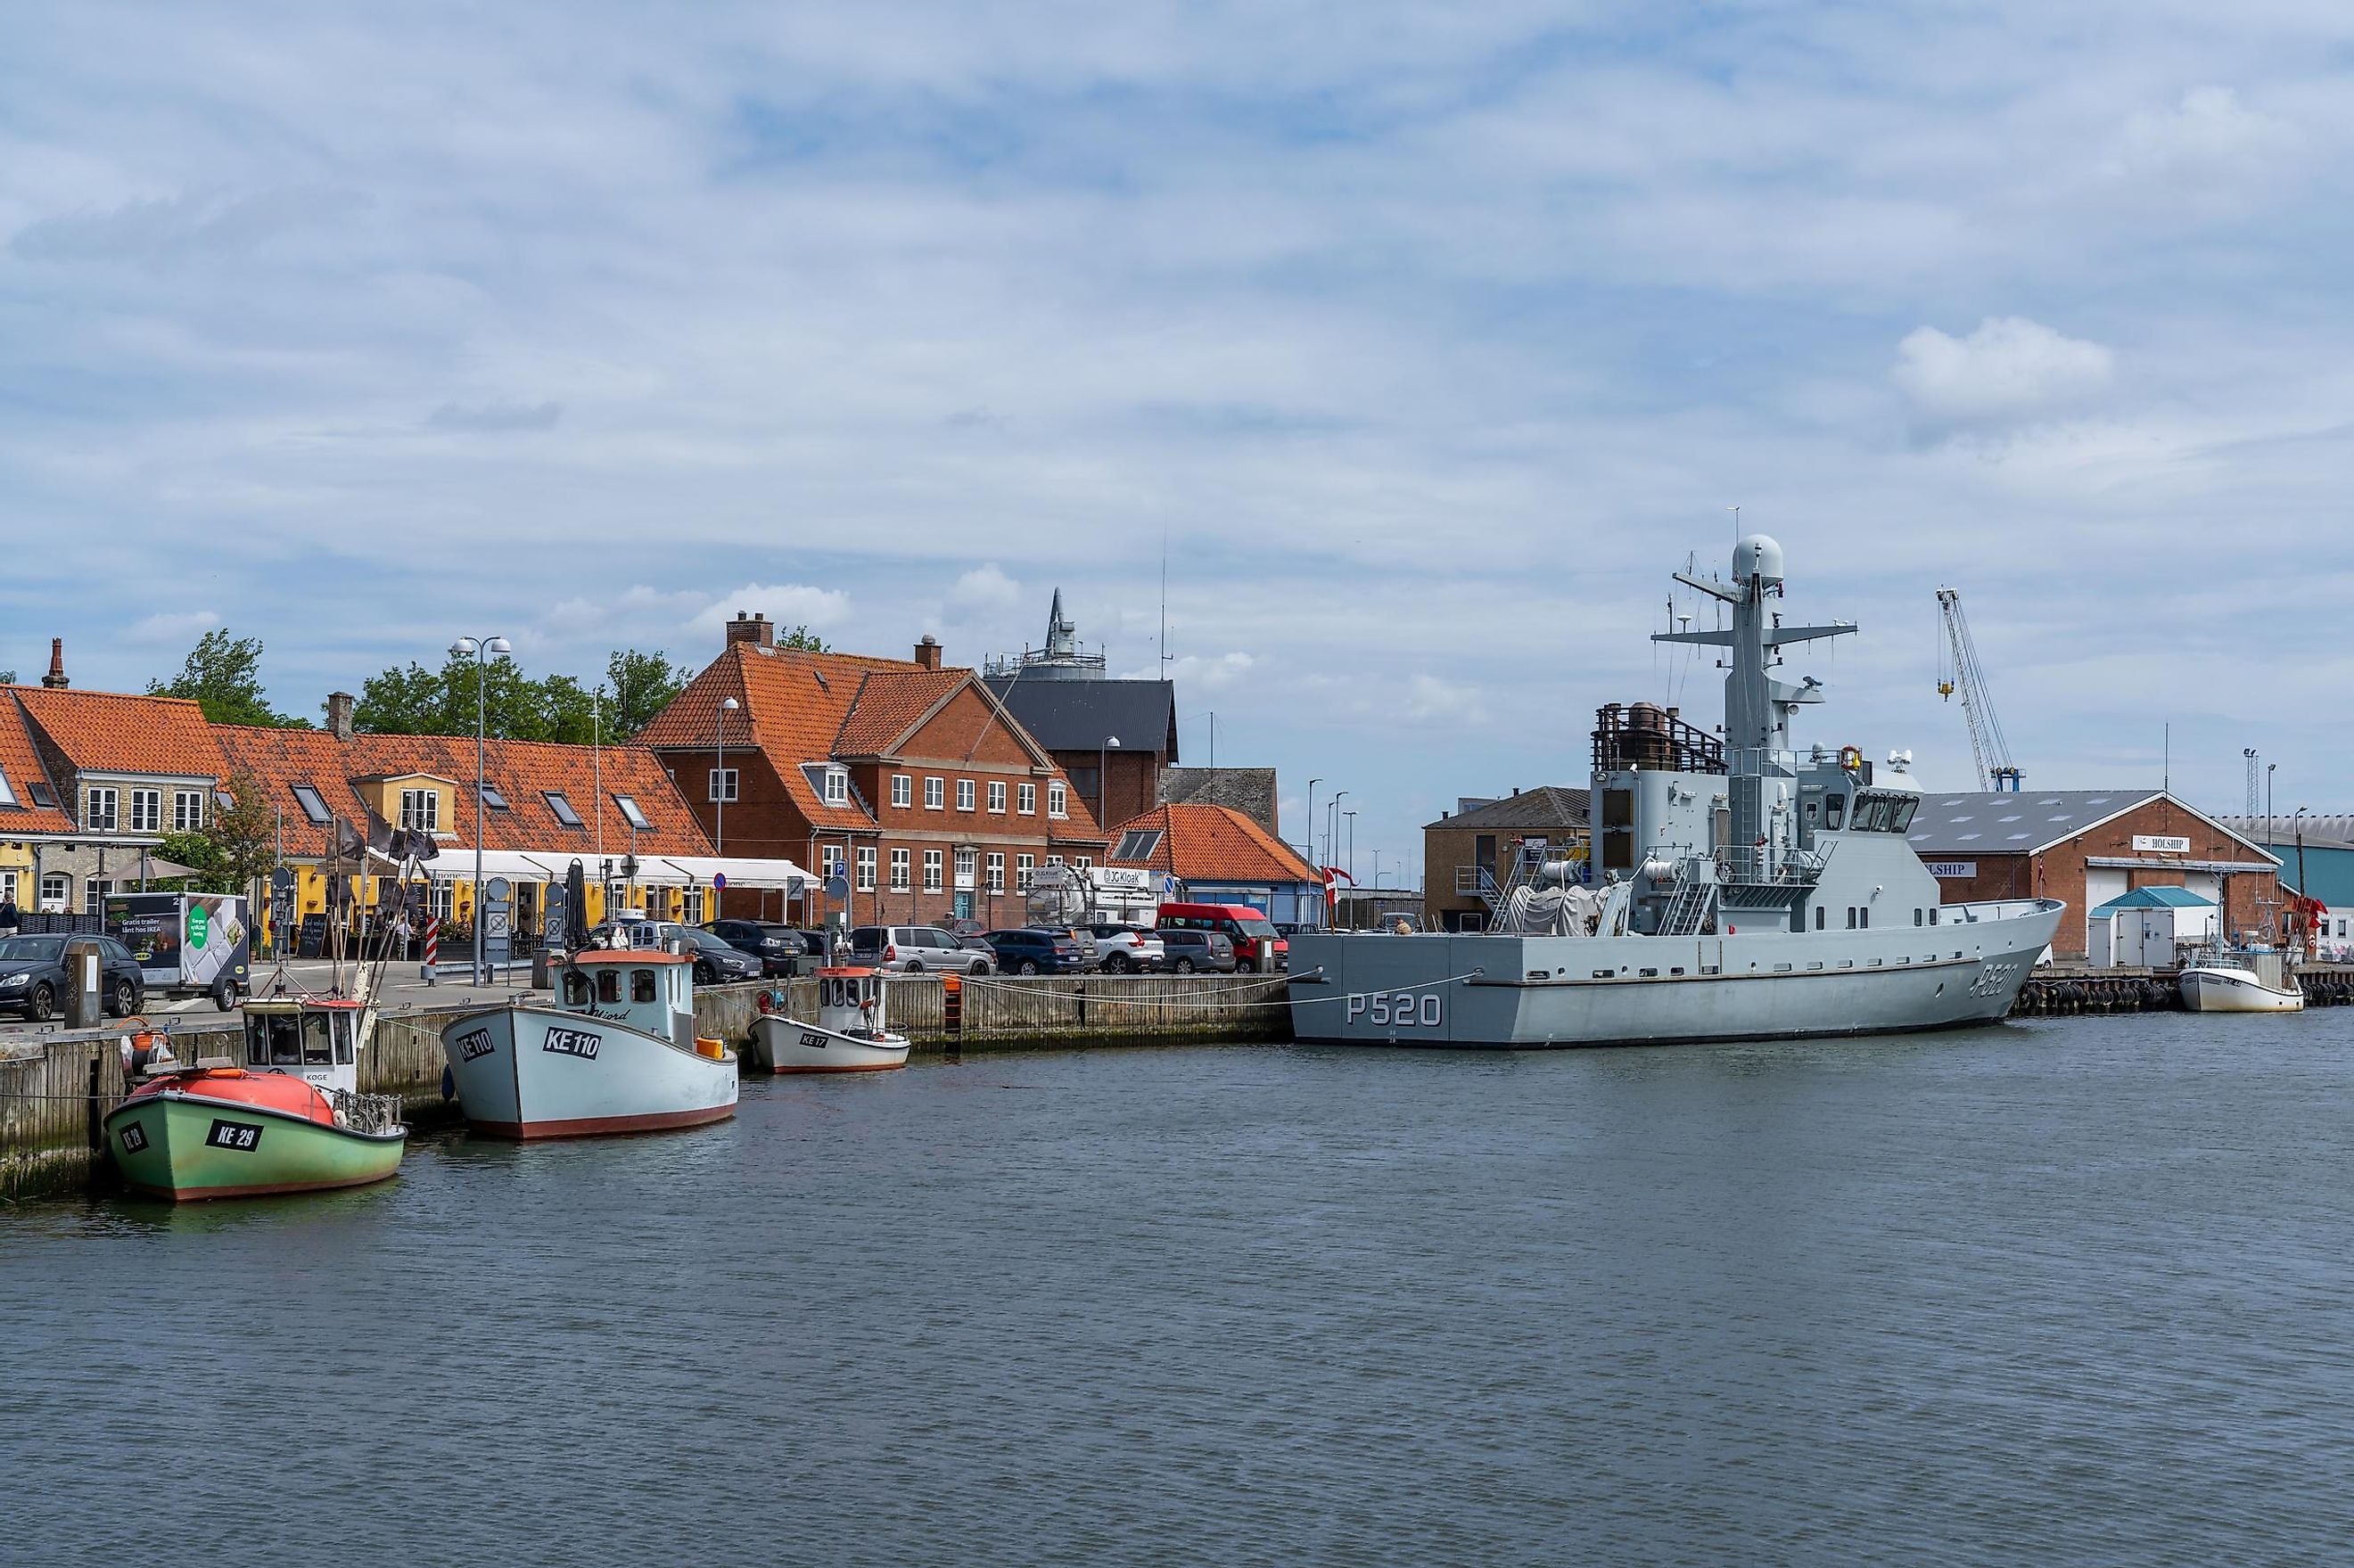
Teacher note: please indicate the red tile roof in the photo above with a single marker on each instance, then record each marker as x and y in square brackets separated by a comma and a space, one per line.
[22, 768]
[889, 704]
[1214, 843]
[117, 732]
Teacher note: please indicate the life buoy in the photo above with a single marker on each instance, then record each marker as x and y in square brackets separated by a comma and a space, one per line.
[1851, 758]
[768, 1002]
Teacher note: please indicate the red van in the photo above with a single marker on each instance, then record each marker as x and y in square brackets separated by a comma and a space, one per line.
[1257, 946]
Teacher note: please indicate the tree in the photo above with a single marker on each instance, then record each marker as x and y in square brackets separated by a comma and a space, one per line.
[641, 685]
[236, 849]
[802, 637]
[223, 675]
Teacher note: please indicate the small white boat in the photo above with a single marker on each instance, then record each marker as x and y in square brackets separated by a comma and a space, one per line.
[617, 1053]
[2237, 981]
[851, 1034]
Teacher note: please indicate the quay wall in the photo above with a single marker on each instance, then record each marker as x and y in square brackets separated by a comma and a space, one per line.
[2065, 993]
[55, 1089]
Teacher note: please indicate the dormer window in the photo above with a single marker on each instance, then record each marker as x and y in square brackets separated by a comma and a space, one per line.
[562, 807]
[420, 811]
[829, 780]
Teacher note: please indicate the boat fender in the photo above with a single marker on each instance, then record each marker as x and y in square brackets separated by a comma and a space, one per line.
[1851, 758]
[448, 1084]
[767, 1001]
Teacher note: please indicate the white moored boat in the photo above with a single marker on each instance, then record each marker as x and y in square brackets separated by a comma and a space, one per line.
[851, 1034]
[2241, 981]
[616, 1053]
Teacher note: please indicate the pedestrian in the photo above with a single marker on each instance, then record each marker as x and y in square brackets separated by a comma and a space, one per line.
[10, 917]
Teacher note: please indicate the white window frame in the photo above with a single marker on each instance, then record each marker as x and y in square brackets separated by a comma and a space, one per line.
[146, 811]
[1053, 860]
[722, 779]
[1025, 800]
[996, 871]
[420, 811]
[690, 906]
[1024, 868]
[56, 887]
[967, 865]
[901, 872]
[1059, 799]
[936, 794]
[903, 791]
[837, 786]
[94, 893]
[441, 899]
[865, 868]
[964, 794]
[934, 869]
[7, 791]
[1082, 862]
[187, 811]
[99, 810]
[997, 796]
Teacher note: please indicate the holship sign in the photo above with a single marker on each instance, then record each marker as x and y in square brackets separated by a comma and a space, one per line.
[2160, 843]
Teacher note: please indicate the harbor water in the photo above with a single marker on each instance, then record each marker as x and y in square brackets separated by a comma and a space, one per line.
[2070, 1290]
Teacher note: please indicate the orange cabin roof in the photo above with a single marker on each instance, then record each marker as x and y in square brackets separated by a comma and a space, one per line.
[281, 1092]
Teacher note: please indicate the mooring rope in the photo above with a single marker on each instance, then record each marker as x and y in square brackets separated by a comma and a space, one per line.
[1094, 997]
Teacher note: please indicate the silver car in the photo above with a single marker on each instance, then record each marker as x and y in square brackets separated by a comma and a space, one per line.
[1127, 949]
[915, 949]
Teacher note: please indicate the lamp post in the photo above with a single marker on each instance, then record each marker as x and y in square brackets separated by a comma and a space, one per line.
[1103, 779]
[719, 787]
[1312, 817]
[1332, 825]
[1350, 865]
[482, 651]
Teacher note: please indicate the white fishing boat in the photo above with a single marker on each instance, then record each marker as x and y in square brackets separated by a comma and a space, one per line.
[851, 1034]
[615, 1052]
[2236, 980]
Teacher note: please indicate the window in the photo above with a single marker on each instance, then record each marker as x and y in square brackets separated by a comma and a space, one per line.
[630, 814]
[865, 868]
[1137, 843]
[420, 809]
[8, 795]
[903, 791]
[1025, 800]
[965, 860]
[898, 871]
[608, 985]
[1834, 808]
[561, 804]
[964, 794]
[441, 898]
[1025, 867]
[187, 811]
[43, 796]
[1053, 860]
[837, 786]
[997, 796]
[313, 808]
[1918, 916]
[146, 811]
[1058, 802]
[54, 887]
[1819, 916]
[690, 904]
[997, 870]
[932, 871]
[93, 895]
[642, 985]
[8, 885]
[934, 794]
[1083, 861]
[492, 799]
[98, 816]
[722, 785]
[1864, 917]
[223, 801]
[1850, 917]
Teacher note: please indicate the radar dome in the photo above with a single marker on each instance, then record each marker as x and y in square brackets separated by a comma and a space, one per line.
[1757, 559]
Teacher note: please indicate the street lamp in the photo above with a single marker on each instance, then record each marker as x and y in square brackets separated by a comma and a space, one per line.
[1311, 816]
[1351, 864]
[720, 783]
[1332, 825]
[1103, 778]
[482, 651]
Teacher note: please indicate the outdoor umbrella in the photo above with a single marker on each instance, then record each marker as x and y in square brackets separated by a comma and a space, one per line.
[576, 909]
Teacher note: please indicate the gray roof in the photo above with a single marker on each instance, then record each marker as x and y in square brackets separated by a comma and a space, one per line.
[1250, 790]
[1081, 716]
[1547, 806]
[1999, 821]
[2280, 830]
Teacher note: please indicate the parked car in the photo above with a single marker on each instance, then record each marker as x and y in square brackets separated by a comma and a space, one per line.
[1080, 936]
[1259, 947]
[913, 950]
[1124, 949]
[1027, 950]
[716, 962]
[33, 979]
[1189, 950]
[783, 952]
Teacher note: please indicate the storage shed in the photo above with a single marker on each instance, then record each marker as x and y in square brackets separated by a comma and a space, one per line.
[2143, 928]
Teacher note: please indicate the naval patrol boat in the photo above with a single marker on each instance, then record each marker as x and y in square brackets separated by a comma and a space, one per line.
[1737, 889]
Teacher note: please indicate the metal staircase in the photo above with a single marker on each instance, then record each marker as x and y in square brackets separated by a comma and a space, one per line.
[1688, 911]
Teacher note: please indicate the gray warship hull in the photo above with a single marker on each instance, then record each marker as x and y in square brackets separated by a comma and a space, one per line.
[1507, 991]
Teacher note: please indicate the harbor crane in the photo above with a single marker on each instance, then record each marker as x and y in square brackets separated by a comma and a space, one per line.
[1958, 671]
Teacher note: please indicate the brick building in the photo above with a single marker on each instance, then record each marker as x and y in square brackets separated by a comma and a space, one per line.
[1113, 739]
[2088, 847]
[1469, 848]
[908, 776]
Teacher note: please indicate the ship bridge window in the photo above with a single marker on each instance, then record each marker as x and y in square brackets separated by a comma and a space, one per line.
[576, 988]
[642, 985]
[316, 1050]
[1834, 808]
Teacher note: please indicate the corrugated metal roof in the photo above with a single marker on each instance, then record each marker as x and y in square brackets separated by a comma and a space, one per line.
[2335, 830]
[1999, 821]
[2156, 898]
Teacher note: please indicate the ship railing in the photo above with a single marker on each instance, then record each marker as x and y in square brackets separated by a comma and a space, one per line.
[1478, 879]
[365, 1113]
[1761, 865]
[1989, 909]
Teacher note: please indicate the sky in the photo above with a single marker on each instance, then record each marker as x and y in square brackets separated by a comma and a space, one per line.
[1426, 340]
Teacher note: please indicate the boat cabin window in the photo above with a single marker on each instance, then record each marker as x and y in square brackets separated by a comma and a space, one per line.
[275, 1040]
[642, 985]
[1884, 813]
[344, 1042]
[1834, 808]
[576, 988]
[608, 985]
[316, 1050]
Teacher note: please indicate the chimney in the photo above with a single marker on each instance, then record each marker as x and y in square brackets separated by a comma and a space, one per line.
[339, 715]
[752, 627]
[55, 679]
[928, 653]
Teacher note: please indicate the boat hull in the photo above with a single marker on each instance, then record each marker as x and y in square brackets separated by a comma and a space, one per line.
[785, 1046]
[2235, 990]
[526, 1072]
[1517, 991]
[185, 1146]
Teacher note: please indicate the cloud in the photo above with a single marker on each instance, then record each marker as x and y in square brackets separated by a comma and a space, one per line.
[787, 604]
[2009, 369]
[1195, 673]
[984, 592]
[495, 417]
[173, 629]
[1429, 697]
[2208, 136]
[162, 229]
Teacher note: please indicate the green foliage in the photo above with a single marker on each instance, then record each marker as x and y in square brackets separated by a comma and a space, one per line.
[238, 847]
[802, 637]
[223, 675]
[413, 700]
[638, 686]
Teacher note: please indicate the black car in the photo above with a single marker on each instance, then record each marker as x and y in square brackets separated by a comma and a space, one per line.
[1034, 952]
[1188, 950]
[716, 962]
[33, 979]
[777, 947]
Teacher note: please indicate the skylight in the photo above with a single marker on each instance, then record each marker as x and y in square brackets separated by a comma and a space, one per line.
[8, 793]
[630, 812]
[314, 806]
[563, 809]
[1137, 844]
[492, 799]
[42, 794]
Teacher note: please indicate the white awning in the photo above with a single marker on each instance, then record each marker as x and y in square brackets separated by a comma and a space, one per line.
[653, 870]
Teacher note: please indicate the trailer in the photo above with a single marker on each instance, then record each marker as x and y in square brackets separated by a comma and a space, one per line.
[187, 944]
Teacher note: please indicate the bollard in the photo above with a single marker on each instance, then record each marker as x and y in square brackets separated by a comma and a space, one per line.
[82, 970]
